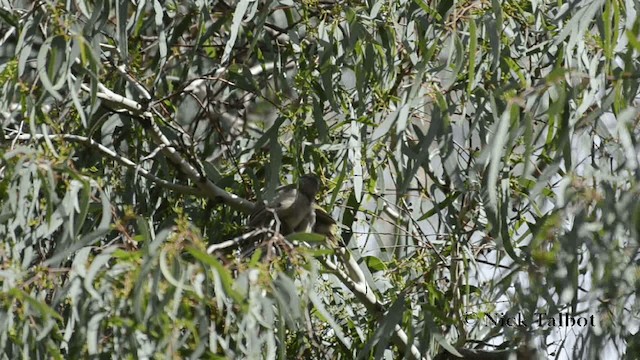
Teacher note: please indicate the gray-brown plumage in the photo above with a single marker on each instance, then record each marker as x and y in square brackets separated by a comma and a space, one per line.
[326, 225]
[292, 207]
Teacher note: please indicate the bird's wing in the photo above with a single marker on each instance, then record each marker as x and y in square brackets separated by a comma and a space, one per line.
[323, 217]
[258, 216]
[285, 197]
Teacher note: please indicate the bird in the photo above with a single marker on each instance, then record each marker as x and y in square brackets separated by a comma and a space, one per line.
[293, 208]
[327, 226]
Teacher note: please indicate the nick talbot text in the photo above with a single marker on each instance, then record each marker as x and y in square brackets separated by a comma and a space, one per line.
[538, 319]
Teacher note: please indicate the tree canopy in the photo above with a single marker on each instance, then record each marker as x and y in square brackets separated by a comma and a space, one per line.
[479, 159]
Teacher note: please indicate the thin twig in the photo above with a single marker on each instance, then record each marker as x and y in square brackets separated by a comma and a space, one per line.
[121, 159]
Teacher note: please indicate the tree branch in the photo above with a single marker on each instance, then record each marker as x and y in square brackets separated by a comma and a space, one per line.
[145, 117]
[119, 158]
[365, 295]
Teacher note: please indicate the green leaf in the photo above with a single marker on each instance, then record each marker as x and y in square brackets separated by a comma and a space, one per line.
[221, 271]
[43, 310]
[238, 15]
[375, 264]
[306, 237]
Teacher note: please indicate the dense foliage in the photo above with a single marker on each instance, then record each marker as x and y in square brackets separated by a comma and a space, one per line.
[480, 158]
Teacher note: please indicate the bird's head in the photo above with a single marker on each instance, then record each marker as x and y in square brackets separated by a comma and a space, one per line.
[309, 185]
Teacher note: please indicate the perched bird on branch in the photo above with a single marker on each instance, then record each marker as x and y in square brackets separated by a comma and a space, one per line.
[292, 209]
[327, 226]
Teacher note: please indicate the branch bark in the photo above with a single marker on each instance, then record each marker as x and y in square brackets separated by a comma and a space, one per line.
[145, 117]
